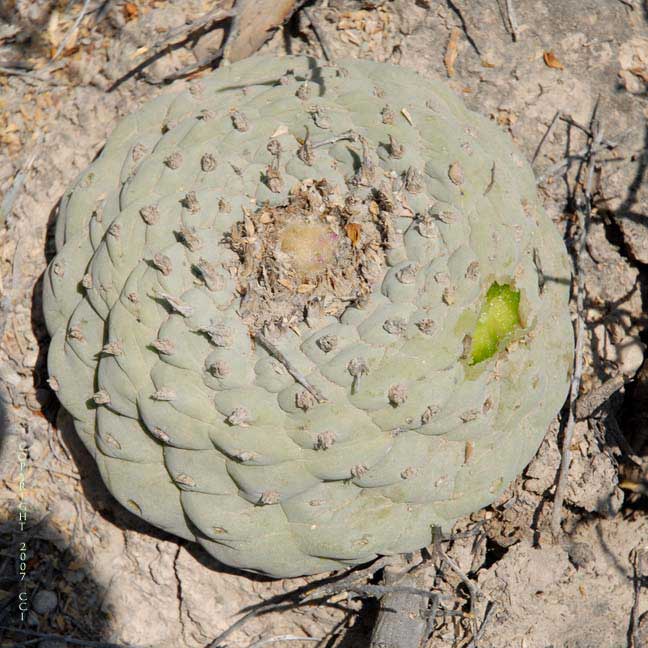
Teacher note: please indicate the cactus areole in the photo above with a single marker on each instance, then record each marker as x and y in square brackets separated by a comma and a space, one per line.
[302, 313]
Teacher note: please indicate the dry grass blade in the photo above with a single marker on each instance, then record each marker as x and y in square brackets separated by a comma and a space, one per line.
[282, 638]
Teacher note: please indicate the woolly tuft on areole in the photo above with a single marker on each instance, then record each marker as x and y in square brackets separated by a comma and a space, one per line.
[302, 313]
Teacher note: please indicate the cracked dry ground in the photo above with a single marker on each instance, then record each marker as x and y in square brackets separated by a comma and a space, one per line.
[104, 575]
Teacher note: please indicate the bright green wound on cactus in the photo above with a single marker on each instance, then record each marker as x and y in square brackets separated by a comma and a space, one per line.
[498, 318]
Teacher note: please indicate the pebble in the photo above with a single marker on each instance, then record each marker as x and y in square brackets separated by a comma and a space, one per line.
[44, 601]
[631, 355]
[580, 553]
[35, 450]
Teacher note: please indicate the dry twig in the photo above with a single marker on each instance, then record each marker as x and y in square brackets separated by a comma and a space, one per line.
[584, 212]
[290, 368]
[546, 136]
[177, 38]
[319, 33]
[464, 25]
[490, 606]
[582, 156]
[286, 638]
[312, 593]
[512, 19]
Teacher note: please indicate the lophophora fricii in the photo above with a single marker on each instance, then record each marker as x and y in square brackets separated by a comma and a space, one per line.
[302, 313]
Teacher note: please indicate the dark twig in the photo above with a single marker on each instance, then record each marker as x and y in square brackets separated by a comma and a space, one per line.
[292, 370]
[344, 584]
[546, 136]
[377, 591]
[491, 182]
[572, 122]
[453, 7]
[584, 212]
[582, 156]
[319, 33]
[510, 11]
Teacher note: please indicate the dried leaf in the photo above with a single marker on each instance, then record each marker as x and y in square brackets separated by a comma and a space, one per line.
[451, 51]
[551, 61]
[53, 29]
[69, 51]
[469, 451]
[353, 232]
[455, 173]
[131, 11]
[407, 116]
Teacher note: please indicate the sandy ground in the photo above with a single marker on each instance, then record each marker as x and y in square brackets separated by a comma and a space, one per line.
[95, 572]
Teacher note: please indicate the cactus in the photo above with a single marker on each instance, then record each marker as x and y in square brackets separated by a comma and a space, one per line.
[302, 313]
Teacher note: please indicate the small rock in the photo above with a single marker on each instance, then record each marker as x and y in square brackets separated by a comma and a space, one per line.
[44, 602]
[631, 355]
[35, 450]
[580, 554]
